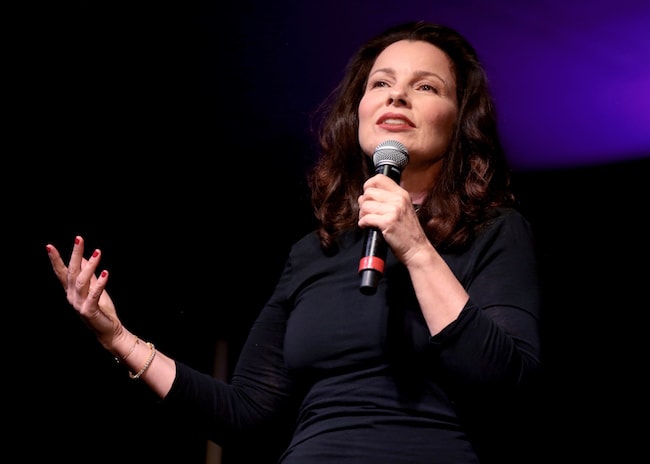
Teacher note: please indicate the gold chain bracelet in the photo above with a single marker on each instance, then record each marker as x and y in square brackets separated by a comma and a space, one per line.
[146, 364]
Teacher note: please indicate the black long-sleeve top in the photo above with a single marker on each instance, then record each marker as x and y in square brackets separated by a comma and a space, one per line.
[372, 384]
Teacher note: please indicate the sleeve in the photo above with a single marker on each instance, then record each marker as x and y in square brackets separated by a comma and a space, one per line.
[494, 345]
[260, 389]
[489, 359]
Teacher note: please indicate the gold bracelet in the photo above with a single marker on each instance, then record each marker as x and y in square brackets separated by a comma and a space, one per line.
[146, 364]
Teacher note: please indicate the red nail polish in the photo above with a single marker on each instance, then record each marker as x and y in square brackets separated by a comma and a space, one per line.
[95, 253]
[48, 248]
[104, 273]
[76, 240]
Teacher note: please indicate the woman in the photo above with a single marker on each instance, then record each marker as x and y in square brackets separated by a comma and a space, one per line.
[430, 367]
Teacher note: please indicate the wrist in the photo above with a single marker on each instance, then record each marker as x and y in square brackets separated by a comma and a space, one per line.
[122, 345]
[121, 358]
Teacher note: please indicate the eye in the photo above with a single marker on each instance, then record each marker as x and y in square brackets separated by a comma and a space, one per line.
[375, 84]
[429, 88]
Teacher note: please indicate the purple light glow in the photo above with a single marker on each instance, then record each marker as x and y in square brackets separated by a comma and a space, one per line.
[571, 80]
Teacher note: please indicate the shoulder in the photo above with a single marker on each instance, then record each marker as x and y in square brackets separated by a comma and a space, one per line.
[307, 242]
[310, 242]
[507, 229]
[505, 246]
[501, 219]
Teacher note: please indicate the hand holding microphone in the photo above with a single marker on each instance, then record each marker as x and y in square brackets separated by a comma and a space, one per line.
[390, 158]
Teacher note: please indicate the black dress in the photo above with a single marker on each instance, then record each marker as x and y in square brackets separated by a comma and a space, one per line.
[370, 383]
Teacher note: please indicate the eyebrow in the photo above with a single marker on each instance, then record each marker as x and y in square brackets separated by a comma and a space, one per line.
[417, 73]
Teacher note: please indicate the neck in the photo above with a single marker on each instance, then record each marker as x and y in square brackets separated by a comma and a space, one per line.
[419, 182]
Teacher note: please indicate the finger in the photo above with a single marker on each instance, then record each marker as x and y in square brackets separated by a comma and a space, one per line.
[86, 275]
[91, 308]
[380, 181]
[97, 287]
[76, 257]
[59, 267]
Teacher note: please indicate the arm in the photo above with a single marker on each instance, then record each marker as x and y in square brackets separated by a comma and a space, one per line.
[247, 403]
[481, 306]
[388, 207]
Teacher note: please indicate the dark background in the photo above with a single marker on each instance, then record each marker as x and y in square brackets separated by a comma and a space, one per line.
[175, 138]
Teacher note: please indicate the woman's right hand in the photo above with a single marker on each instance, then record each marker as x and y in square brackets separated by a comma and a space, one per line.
[87, 295]
[86, 292]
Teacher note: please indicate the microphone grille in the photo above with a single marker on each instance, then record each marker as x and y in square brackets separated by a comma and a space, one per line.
[391, 152]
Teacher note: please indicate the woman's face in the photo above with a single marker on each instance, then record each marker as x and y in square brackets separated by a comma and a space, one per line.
[410, 97]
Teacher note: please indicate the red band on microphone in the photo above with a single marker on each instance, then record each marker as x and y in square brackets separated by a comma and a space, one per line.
[371, 262]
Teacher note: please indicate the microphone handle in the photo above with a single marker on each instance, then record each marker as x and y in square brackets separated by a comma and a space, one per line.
[371, 266]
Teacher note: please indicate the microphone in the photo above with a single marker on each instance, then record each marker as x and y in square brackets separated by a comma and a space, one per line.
[390, 158]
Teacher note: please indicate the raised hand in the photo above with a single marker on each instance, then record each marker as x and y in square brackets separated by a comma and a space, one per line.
[86, 292]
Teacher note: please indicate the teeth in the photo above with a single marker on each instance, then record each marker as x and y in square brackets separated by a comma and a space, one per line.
[394, 121]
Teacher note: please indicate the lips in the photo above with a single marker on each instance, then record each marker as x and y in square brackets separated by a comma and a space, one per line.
[393, 119]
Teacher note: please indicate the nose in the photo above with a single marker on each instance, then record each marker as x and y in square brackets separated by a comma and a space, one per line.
[397, 97]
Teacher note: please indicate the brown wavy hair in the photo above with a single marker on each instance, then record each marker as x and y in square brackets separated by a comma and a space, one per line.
[474, 177]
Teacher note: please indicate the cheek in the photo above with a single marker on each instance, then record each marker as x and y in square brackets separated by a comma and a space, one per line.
[443, 122]
[365, 111]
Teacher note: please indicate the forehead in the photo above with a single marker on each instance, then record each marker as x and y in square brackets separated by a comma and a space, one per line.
[414, 56]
